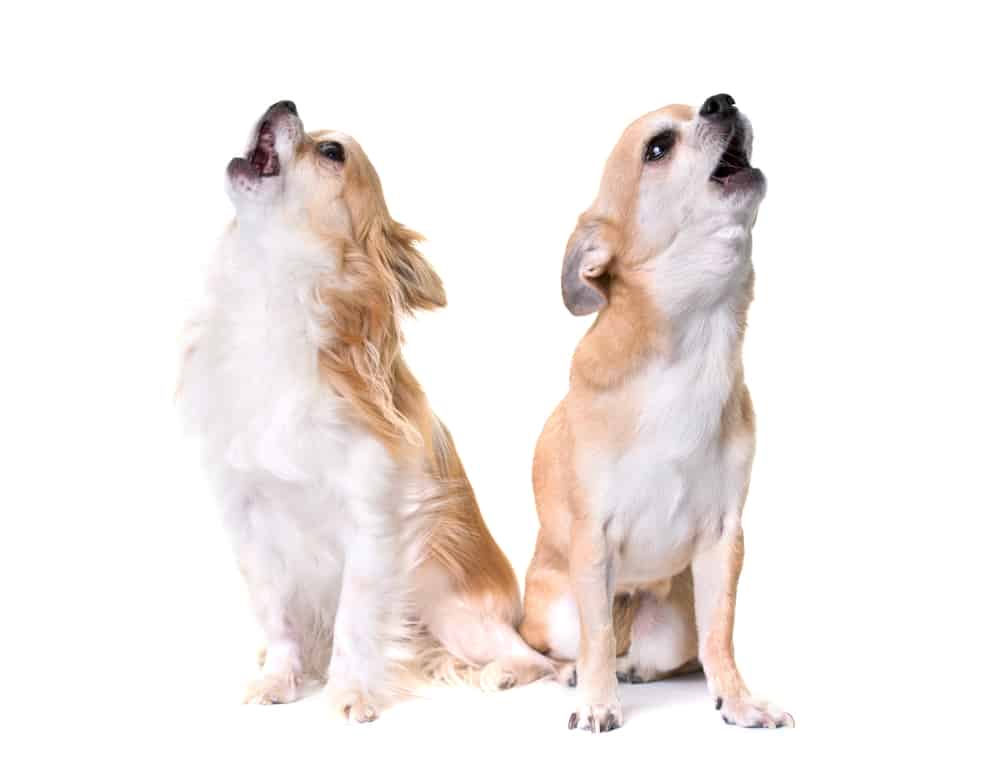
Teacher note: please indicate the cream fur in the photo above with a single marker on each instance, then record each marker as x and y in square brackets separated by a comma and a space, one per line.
[363, 549]
[641, 472]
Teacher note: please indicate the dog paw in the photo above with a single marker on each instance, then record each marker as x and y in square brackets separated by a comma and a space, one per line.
[497, 677]
[272, 689]
[597, 718]
[632, 676]
[753, 713]
[352, 705]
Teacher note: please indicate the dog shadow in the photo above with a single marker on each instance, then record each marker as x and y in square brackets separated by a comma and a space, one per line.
[659, 695]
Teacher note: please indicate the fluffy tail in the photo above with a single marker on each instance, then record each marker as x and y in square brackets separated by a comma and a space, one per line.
[482, 652]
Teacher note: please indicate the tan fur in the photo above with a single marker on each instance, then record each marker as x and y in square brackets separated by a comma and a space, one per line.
[379, 568]
[461, 543]
[612, 253]
[383, 276]
[717, 649]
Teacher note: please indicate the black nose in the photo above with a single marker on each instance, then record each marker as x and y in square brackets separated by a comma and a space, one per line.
[286, 105]
[719, 106]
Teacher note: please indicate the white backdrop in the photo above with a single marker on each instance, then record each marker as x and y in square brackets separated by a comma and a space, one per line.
[868, 594]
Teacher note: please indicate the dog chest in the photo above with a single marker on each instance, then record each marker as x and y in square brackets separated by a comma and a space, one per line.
[659, 507]
[251, 385]
[669, 486]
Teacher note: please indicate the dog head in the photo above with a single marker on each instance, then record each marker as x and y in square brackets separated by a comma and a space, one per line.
[678, 196]
[316, 195]
[322, 188]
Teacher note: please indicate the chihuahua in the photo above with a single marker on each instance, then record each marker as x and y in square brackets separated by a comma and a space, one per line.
[351, 517]
[641, 473]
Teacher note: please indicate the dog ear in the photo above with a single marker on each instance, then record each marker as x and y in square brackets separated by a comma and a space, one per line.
[386, 241]
[420, 286]
[585, 277]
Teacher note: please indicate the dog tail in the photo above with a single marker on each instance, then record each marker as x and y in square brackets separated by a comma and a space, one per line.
[514, 663]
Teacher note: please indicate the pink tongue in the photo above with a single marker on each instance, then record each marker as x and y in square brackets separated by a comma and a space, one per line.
[263, 158]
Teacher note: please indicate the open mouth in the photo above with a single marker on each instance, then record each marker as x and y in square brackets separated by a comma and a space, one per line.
[262, 156]
[734, 159]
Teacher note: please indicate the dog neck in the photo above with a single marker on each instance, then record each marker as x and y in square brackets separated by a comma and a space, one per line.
[684, 306]
[273, 241]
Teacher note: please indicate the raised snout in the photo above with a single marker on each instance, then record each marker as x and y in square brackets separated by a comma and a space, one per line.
[278, 132]
[285, 105]
[272, 145]
[719, 107]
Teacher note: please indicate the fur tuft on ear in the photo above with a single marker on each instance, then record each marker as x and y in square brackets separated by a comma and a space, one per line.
[383, 239]
[585, 266]
[419, 286]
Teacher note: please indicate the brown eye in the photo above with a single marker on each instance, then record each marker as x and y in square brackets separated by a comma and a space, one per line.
[332, 150]
[659, 146]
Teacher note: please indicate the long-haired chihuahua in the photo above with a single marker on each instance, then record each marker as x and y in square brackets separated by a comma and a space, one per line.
[641, 472]
[352, 520]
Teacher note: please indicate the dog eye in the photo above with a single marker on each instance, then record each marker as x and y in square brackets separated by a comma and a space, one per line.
[659, 146]
[332, 150]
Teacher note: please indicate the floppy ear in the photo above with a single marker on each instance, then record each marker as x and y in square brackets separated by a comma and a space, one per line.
[394, 246]
[419, 285]
[585, 267]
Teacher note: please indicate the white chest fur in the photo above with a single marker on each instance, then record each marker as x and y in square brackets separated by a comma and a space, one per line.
[251, 384]
[288, 462]
[667, 490]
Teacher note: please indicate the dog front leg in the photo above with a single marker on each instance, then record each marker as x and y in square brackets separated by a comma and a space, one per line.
[359, 683]
[592, 579]
[716, 572]
[281, 661]
[270, 590]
